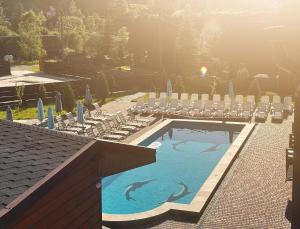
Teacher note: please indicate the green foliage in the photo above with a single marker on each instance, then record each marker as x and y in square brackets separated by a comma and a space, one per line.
[5, 31]
[119, 8]
[30, 36]
[91, 45]
[68, 98]
[102, 88]
[20, 93]
[108, 36]
[186, 48]
[73, 23]
[73, 40]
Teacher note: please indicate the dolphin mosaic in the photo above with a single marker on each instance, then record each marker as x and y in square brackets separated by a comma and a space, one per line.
[184, 191]
[214, 148]
[134, 186]
[175, 145]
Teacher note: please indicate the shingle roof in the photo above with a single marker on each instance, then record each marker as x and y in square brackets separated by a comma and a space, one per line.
[28, 154]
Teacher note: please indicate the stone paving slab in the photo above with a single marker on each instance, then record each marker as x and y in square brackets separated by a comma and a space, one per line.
[254, 193]
[122, 104]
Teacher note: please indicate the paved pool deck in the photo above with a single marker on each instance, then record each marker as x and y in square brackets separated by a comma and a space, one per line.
[254, 193]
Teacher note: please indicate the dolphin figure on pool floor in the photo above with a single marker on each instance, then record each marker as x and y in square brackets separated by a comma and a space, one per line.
[132, 187]
[212, 149]
[184, 191]
[175, 145]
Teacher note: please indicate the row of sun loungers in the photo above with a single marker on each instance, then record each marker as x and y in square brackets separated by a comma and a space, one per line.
[196, 106]
[101, 125]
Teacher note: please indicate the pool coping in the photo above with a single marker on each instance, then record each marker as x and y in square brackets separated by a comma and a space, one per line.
[207, 190]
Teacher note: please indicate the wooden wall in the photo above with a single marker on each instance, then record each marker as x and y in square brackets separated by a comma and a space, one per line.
[72, 201]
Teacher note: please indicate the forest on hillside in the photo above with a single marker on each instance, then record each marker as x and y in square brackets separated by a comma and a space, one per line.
[175, 36]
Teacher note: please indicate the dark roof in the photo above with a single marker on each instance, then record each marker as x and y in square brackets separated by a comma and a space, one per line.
[28, 154]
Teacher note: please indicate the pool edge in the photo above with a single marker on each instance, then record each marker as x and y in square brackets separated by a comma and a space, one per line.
[205, 193]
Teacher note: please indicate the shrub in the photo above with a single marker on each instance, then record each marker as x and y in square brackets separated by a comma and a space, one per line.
[68, 98]
[102, 87]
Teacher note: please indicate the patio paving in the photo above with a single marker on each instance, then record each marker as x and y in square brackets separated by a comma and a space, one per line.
[254, 193]
[30, 78]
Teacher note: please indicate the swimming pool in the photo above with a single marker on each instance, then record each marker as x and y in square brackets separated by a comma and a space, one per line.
[187, 153]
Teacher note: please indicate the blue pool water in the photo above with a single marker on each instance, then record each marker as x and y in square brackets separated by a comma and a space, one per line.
[184, 160]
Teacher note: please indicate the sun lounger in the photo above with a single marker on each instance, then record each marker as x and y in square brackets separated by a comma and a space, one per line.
[152, 95]
[194, 97]
[175, 96]
[196, 108]
[112, 130]
[129, 122]
[99, 133]
[99, 112]
[62, 126]
[150, 107]
[88, 116]
[109, 133]
[185, 107]
[216, 98]
[207, 110]
[276, 99]
[139, 106]
[261, 115]
[119, 125]
[265, 99]
[162, 106]
[73, 121]
[239, 99]
[174, 107]
[227, 102]
[277, 116]
[184, 96]
[204, 98]
[146, 119]
[163, 95]
[251, 100]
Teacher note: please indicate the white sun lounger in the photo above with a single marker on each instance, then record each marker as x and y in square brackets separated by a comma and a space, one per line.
[152, 95]
[265, 99]
[276, 99]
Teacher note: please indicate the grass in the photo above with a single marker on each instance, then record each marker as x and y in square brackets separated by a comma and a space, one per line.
[146, 98]
[35, 68]
[27, 113]
[31, 112]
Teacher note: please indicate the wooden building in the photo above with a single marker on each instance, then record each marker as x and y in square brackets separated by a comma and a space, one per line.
[52, 179]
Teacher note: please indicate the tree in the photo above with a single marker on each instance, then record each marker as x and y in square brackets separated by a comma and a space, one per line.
[5, 31]
[102, 87]
[108, 36]
[14, 10]
[30, 36]
[186, 48]
[74, 41]
[119, 8]
[121, 42]
[68, 98]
